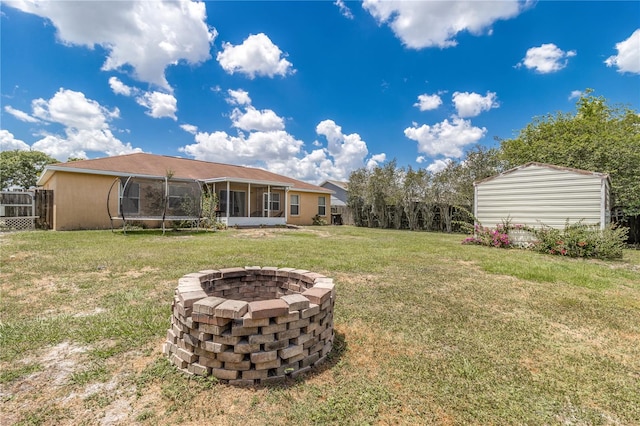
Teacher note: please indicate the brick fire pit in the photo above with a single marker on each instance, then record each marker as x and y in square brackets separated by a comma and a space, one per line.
[251, 325]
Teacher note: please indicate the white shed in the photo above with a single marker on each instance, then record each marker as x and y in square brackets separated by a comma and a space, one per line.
[537, 194]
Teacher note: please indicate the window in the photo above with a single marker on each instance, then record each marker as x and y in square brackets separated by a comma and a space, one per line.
[177, 196]
[295, 205]
[130, 199]
[322, 206]
[236, 201]
[275, 201]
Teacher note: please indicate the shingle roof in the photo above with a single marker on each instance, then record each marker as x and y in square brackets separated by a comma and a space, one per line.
[181, 168]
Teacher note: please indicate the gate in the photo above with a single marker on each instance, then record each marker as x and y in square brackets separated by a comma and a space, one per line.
[26, 210]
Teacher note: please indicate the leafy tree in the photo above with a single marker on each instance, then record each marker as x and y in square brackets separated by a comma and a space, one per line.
[597, 137]
[22, 168]
[414, 195]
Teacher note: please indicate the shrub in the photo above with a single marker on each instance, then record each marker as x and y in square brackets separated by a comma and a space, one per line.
[580, 240]
[319, 220]
[498, 237]
[575, 240]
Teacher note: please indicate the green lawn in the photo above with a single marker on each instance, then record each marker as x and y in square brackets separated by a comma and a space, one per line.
[428, 331]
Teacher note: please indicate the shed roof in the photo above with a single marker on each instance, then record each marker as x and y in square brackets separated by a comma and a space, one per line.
[548, 166]
[143, 164]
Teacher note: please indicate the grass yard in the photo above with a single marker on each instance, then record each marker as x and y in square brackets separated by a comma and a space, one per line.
[428, 331]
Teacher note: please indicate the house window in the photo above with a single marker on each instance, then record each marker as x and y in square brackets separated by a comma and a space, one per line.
[322, 206]
[130, 199]
[295, 205]
[236, 203]
[177, 195]
[275, 201]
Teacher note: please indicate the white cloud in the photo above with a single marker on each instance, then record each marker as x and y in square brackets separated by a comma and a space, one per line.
[445, 138]
[421, 159]
[73, 109]
[257, 147]
[119, 88]
[189, 128]
[20, 115]
[575, 94]
[9, 143]
[472, 104]
[420, 24]
[628, 57]
[439, 165]
[147, 35]
[85, 123]
[428, 102]
[344, 9]
[546, 58]
[280, 152]
[159, 104]
[238, 97]
[256, 56]
[348, 151]
[375, 160]
[78, 141]
[251, 119]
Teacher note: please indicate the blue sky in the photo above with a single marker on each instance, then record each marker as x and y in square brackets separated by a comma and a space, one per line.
[308, 89]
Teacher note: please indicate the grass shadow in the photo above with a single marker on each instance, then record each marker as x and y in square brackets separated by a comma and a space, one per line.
[333, 357]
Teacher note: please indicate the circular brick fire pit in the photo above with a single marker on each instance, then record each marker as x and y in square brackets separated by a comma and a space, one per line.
[251, 325]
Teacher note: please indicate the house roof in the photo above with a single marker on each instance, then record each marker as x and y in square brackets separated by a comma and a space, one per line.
[151, 165]
[339, 184]
[548, 166]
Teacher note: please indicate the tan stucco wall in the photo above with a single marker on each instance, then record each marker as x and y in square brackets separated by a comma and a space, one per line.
[80, 201]
[308, 208]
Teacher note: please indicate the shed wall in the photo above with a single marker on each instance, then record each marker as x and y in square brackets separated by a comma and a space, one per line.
[538, 195]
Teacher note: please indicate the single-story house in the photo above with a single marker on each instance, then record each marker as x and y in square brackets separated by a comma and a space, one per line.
[340, 212]
[537, 194]
[92, 194]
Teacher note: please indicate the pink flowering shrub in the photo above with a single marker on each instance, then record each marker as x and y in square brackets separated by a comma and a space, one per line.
[496, 237]
[575, 240]
[580, 240]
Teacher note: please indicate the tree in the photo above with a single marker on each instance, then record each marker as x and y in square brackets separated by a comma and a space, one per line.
[597, 137]
[22, 168]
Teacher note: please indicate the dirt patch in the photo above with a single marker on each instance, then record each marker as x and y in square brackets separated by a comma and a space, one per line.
[276, 232]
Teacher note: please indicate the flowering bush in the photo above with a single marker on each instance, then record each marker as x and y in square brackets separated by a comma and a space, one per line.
[580, 240]
[575, 240]
[498, 237]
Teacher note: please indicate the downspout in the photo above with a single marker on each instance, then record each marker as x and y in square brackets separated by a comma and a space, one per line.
[268, 200]
[249, 199]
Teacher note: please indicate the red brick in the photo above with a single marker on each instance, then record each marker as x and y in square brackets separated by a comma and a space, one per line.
[312, 310]
[229, 356]
[296, 302]
[207, 305]
[292, 316]
[260, 357]
[290, 351]
[223, 374]
[268, 308]
[268, 365]
[231, 309]
[318, 295]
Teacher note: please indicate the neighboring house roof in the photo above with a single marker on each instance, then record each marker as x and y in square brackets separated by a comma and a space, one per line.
[151, 165]
[549, 166]
[339, 184]
[339, 189]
